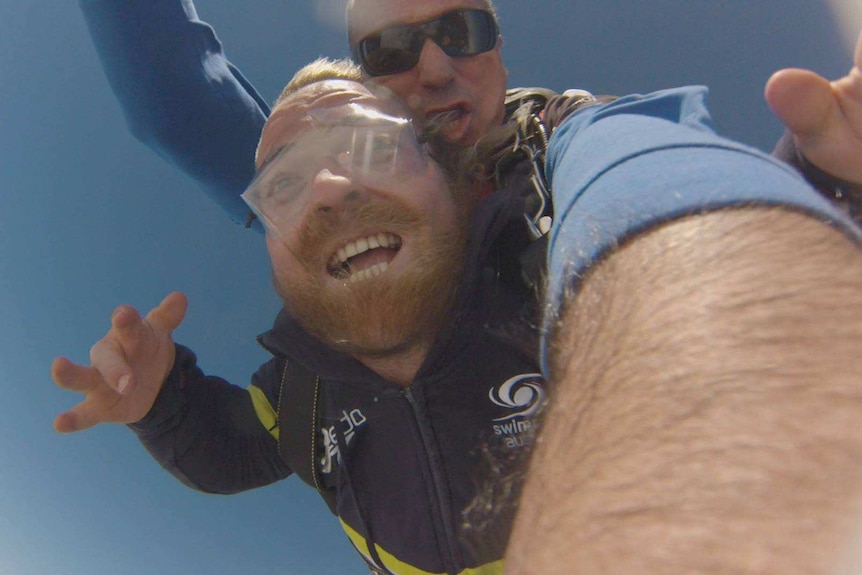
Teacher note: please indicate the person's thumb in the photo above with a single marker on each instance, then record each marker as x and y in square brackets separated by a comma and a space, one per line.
[802, 100]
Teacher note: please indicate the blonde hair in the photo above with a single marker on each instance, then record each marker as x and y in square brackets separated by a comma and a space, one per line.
[318, 71]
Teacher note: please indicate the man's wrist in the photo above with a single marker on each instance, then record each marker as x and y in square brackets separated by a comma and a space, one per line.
[170, 397]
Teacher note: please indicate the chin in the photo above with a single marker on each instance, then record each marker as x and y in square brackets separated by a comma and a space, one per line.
[381, 316]
[368, 346]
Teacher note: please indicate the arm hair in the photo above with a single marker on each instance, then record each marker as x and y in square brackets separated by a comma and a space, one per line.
[706, 412]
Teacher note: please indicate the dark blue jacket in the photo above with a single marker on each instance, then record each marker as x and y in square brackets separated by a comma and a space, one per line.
[405, 463]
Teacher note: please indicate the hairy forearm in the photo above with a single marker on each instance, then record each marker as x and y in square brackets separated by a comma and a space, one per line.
[705, 413]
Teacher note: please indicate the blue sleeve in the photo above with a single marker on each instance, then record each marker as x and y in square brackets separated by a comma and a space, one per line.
[619, 169]
[179, 93]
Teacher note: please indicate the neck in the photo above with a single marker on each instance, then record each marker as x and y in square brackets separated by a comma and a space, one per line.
[399, 368]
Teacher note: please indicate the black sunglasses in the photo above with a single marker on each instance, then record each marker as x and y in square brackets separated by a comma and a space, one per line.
[397, 49]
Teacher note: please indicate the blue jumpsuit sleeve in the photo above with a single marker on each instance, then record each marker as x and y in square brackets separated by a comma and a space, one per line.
[619, 169]
[205, 431]
[179, 93]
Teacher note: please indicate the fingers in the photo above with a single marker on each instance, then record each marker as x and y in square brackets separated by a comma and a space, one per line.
[65, 423]
[802, 100]
[125, 317]
[112, 354]
[78, 418]
[169, 314]
[74, 377]
[109, 359]
[857, 55]
[132, 344]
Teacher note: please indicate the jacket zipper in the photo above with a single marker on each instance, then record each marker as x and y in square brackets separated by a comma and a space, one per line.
[443, 504]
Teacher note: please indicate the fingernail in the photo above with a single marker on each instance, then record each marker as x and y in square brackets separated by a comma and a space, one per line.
[123, 383]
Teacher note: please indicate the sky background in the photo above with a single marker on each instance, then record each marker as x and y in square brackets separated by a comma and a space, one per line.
[93, 219]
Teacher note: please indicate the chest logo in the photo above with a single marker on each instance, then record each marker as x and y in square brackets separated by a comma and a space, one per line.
[349, 423]
[524, 394]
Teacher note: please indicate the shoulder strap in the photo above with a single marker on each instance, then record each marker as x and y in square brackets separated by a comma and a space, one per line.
[298, 417]
[529, 144]
[536, 112]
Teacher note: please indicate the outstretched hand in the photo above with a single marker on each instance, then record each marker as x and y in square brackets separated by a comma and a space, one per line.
[127, 367]
[825, 117]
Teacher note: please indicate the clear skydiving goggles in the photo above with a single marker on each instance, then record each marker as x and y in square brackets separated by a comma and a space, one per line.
[371, 148]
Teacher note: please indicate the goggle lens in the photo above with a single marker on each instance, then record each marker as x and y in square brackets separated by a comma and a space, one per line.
[367, 146]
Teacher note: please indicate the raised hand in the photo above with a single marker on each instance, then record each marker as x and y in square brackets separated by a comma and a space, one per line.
[825, 117]
[127, 367]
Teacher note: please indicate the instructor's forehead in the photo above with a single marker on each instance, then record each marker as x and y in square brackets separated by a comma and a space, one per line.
[367, 16]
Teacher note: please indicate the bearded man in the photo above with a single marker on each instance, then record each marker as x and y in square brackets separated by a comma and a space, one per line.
[394, 316]
[646, 371]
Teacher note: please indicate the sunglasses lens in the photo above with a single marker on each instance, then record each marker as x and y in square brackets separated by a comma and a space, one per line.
[390, 51]
[465, 33]
[458, 33]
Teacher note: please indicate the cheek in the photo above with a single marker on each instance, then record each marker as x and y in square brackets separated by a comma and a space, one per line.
[491, 77]
[443, 208]
[405, 86]
[284, 263]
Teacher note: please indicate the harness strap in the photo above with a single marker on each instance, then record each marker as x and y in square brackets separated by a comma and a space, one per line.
[298, 421]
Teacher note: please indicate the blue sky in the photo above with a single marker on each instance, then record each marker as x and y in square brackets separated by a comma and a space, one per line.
[93, 219]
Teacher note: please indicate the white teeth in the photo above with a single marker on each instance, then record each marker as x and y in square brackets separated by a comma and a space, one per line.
[371, 272]
[362, 245]
[340, 267]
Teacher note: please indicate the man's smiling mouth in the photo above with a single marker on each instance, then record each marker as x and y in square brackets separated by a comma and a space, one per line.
[364, 258]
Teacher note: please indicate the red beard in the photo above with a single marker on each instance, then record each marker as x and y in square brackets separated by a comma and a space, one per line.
[386, 314]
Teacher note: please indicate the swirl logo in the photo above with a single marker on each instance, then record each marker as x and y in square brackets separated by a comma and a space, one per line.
[524, 393]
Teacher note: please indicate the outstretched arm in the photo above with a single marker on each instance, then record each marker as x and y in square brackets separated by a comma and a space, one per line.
[704, 365]
[824, 117]
[201, 429]
[179, 93]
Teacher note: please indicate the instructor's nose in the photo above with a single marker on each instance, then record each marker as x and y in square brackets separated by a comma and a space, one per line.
[434, 67]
